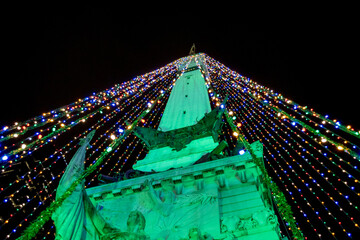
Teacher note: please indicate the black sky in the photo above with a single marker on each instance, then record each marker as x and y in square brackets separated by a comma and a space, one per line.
[53, 56]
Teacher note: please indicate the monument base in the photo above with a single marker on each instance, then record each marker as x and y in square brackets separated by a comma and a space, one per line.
[220, 199]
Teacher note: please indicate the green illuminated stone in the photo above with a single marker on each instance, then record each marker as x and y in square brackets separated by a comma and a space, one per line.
[183, 197]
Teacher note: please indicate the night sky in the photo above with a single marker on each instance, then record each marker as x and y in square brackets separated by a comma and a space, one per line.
[52, 57]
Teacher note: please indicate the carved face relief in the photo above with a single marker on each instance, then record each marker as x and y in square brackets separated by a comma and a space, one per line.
[261, 217]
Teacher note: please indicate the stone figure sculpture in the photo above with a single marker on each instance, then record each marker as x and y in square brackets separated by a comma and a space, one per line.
[77, 218]
[135, 229]
[170, 215]
[264, 217]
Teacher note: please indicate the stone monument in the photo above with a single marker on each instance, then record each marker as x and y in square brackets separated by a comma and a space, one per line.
[187, 188]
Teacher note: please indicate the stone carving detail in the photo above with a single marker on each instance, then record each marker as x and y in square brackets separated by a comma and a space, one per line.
[166, 214]
[264, 217]
[232, 224]
[177, 139]
[246, 224]
[229, 225]
[257, 148]
[135, 229]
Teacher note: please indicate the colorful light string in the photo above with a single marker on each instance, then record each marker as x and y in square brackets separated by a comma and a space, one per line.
[313, 159]
[265, 124]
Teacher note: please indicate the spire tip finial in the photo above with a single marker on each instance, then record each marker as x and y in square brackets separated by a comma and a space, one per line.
[192, 50]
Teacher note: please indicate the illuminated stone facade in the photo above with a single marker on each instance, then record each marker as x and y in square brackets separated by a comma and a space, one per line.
[190, 189]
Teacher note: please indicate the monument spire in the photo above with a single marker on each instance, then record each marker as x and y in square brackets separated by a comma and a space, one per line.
[186, 126]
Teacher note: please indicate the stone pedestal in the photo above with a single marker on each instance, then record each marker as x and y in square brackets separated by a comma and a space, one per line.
[221, 199]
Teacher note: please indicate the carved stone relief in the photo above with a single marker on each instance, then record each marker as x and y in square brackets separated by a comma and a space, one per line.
[232, 224]
[162, 214]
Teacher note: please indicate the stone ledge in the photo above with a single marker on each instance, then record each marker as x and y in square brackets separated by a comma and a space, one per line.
[207, 169]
